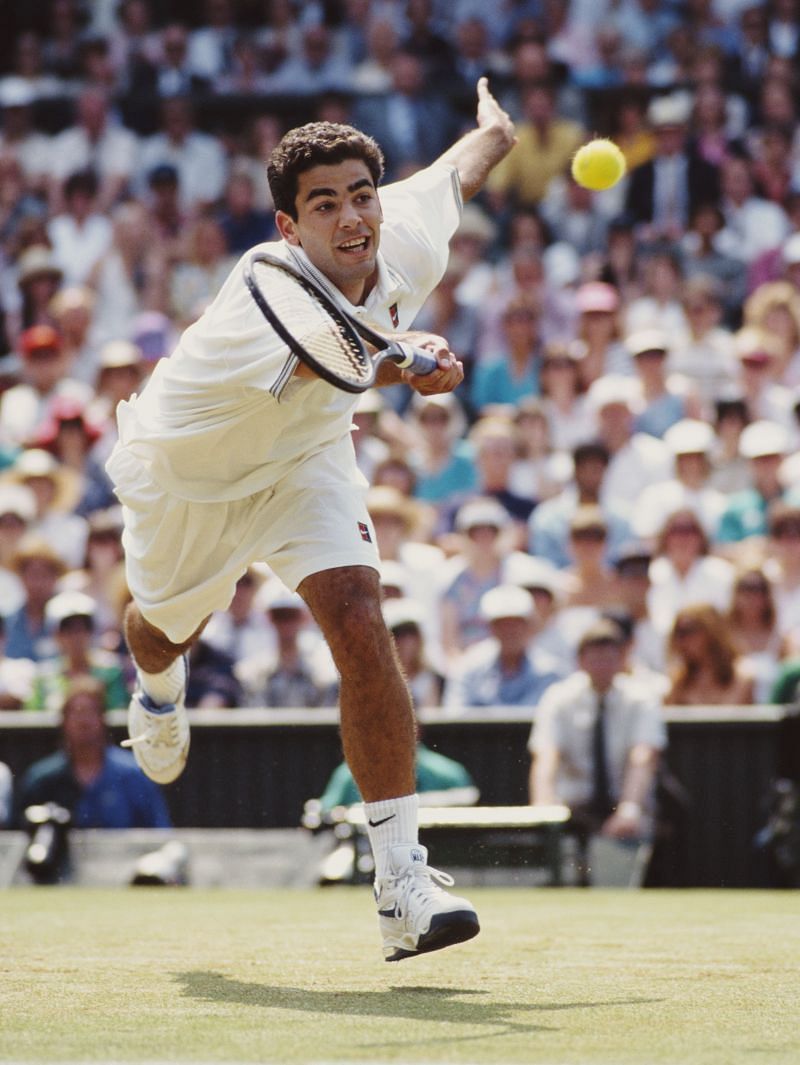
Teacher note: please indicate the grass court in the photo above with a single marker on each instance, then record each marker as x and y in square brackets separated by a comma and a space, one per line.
[557, 977]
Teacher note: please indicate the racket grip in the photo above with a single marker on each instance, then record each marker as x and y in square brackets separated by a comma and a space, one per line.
[414, 359]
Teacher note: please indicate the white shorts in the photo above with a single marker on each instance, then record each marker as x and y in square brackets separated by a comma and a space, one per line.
[183, 558]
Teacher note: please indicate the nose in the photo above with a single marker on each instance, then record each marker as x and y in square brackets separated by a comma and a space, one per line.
[348, 215]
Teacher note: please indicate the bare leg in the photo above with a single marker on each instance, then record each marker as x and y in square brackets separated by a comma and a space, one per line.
[150, 648]
[377, 719]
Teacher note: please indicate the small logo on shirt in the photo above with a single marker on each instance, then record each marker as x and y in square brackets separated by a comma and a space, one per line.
[394, 315]
[363, 528]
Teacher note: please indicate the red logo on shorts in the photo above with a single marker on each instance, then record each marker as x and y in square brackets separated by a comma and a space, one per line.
[363, 528]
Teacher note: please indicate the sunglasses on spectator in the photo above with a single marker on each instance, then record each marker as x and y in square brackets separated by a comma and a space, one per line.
[474, 530]
[686, 628]
[593, 535]
[786, 532]
[685, 529]
[760, 587]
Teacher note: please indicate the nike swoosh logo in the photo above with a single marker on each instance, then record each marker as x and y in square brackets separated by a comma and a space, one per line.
[383, 820]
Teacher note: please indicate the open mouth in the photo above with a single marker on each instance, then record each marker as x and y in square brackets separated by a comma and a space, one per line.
[354, 246]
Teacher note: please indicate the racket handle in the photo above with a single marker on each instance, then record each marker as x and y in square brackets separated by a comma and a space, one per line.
[414, 359]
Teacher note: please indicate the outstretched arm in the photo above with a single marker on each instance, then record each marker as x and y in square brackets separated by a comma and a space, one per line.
[478, 151]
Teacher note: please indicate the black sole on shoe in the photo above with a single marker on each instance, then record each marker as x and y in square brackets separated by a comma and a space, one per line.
[446, 930]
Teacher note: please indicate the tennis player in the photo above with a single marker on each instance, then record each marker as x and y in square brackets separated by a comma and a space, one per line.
[235, 453]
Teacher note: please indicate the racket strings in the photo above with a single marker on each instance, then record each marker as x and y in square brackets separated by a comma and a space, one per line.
[325, 338]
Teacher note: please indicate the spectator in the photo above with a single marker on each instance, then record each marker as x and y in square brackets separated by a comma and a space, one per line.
[708, 669]
[19, 135]
[684, 572]
[213, 684]
[665, 399]
[444, 462]
[646, 646]
[765, 445]
[98, 783]
[175, 75]
[782, 566]
[17, 512]
[596, 742]
[211, 44]
[702, 256]
[45, 370]
[413, 122]
[690, 442]
[102, 576]
[243, 630]
[197, 157]
[513, 374]
[502, 670]
[242, 223]
[659, 306]
[95, 142]
[293, 674]
[664, 192]
[38, 280]
[703, 351]
[774, 309]
[6, 794]
[753, 225]
[541, 468]
[56, 490]
[473, 570]
[753, 623]
[39, 568]
[637, 460]
[493, 440]
[198, 277]
[130, 274]
[73, 312]
[70, 618]
[315, 68]
[439, 780]
[546, 585]
[599, 346]
[730, 469]
[549, 525]
[406, 620]
[545, 146]
[589, 582]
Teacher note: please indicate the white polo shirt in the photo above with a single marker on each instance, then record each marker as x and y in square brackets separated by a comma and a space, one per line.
[565, 720]
[223, 417]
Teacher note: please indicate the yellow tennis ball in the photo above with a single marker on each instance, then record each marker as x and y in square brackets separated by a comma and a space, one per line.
[598, 165]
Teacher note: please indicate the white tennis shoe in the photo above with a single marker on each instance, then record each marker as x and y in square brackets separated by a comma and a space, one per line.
[159, 735]
[415, 915]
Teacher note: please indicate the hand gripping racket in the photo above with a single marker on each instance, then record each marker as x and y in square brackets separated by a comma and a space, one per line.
[320, 333]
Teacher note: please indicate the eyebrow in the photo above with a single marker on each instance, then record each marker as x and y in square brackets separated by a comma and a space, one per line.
[360, 184]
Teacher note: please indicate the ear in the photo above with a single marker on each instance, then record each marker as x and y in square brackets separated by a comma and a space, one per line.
[287, 227]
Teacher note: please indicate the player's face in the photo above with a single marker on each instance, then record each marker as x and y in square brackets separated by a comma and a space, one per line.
[338, 224]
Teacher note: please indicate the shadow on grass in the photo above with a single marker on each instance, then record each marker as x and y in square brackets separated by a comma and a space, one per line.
[428, 1003]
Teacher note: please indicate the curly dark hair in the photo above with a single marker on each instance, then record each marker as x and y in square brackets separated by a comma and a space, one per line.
[317, 144]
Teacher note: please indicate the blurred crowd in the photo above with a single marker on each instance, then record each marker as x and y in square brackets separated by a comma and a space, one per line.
[626, 444]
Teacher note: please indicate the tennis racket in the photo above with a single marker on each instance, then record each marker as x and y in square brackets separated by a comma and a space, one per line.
[320, 333]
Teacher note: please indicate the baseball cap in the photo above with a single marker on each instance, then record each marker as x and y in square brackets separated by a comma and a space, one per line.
[37, 261]
[689, 436]
[274, 595]
[633, 551]
[613, 389]
[763, 438]
[507, 601]
[673, 109]
[19, 500]
[69, 605]
[596, 296]
[646, 340]
[603, 631]
[37, 338]
[527, 571]
[481, 512]
[117, 353]
[403, 611]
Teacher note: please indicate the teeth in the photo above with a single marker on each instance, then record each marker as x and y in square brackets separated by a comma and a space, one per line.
[354, 243]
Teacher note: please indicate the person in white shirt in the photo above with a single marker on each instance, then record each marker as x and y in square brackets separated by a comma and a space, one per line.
[637, 460]
[95, 142]
[596, 742]
[691, 443]
[752, 225]
[80, 235]
[235, 452]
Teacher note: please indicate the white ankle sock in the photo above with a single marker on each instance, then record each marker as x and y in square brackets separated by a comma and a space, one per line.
[164, 687]
[389, 822]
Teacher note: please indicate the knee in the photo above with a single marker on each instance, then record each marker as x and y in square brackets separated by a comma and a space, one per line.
[347, 606]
